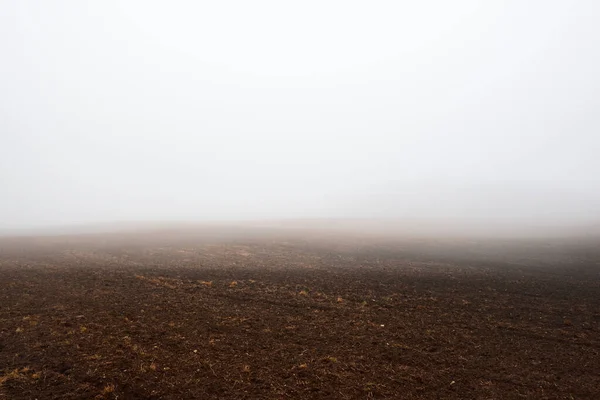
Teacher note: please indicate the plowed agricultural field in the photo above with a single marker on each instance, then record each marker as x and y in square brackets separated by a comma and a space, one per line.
[297, 315]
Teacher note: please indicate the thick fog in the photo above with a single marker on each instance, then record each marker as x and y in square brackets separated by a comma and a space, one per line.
[228, 110]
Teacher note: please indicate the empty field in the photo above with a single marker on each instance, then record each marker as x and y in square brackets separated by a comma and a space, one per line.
[274, 314]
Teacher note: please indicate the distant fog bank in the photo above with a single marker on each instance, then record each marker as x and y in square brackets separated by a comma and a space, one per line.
[404, 228]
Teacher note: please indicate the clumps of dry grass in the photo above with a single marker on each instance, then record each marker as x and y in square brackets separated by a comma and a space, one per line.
[110, 388]
[134, 347]
[14, 374]
[31, 319]
[233, 284]
[18, 374]
[206, 283]
[161, 281]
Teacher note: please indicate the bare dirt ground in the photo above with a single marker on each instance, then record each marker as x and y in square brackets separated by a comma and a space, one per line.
[231, 314]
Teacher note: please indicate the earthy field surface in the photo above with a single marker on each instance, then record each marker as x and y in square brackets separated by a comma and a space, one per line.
[226, 313]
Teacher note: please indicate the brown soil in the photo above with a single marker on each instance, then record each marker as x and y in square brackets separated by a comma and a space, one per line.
[297, 316]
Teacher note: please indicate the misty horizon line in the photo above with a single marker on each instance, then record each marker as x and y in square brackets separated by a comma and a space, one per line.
[402, 226]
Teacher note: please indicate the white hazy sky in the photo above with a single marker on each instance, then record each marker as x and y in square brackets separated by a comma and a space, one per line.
[156, 110]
